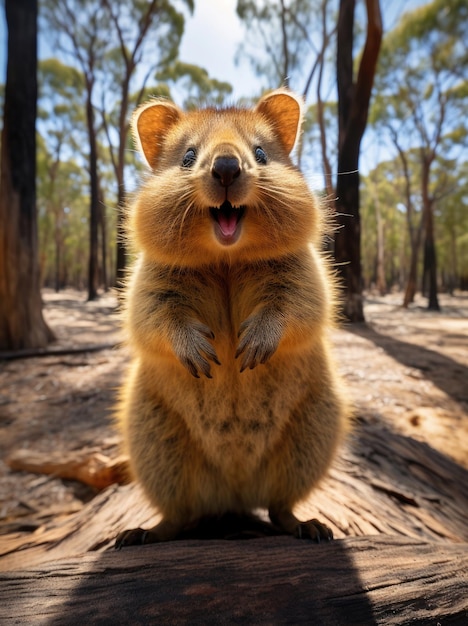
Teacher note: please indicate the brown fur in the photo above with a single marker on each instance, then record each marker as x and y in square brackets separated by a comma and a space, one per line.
[231, 402]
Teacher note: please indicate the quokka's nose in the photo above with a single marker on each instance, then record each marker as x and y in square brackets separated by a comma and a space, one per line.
[226, 169]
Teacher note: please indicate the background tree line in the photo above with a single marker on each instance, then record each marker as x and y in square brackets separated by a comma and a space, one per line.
[400, 223]
[412, 216]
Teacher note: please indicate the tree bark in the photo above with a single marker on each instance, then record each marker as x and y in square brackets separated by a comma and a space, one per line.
[415, 233]
[430, 259]
[103, 226]
[121, 248]
[130, 61]
[21, 322]
[93, 267]
[380, 270]
[410, 290]
[353, 108]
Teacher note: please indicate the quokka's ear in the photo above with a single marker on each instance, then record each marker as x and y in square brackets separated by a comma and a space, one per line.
[150, 124]
[283, 109]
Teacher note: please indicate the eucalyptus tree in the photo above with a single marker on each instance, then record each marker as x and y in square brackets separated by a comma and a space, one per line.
[62, 200]
[288, 32]
[81, 28]
[145, 39]
[62, 133]
[384, 250]
[450, 178]
[422, 103]
[354, 83]
[21, 321]
[290, 43]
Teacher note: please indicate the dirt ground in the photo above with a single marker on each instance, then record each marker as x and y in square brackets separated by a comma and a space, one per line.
[406, 367]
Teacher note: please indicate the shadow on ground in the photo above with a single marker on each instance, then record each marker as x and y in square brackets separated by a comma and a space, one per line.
[447, 374]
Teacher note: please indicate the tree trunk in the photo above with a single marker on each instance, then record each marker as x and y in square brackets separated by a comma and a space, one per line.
[57, 256]
[103, 225]
[380, 277]
[121, 251]
[353, 108]
[415, 234]
[410, 290]
[430, 259]
[454, 278]
[381, 280]
[21, 321]
[93, 267]
[376, 580]
[411, 284]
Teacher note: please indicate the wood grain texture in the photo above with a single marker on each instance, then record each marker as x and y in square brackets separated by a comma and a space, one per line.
[383, 483]
[408, 502]
[279, 580]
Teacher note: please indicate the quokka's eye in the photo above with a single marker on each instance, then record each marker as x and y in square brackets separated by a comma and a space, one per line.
[260, 155]
[189, 158]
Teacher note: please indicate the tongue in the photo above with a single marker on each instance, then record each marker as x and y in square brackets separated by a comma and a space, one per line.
[227, 222]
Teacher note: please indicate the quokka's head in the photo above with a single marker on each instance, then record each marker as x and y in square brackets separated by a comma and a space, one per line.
[222, 185]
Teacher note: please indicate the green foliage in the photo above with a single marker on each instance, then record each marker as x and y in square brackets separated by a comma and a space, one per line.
[60, 110]
[108, 50]
[420, 101]
[423, 62]
[385, 185]
[420, 105]
[452, 220]
[62, 202]
[281, 38]
[383, 191]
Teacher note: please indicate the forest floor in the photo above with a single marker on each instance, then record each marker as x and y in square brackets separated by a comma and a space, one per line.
[407, 367]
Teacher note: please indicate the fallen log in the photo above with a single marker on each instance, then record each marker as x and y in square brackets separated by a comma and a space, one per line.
[383, 483]
[359, 580]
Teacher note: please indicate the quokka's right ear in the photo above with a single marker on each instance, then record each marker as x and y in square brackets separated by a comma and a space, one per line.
[284, 110]
[150, 124]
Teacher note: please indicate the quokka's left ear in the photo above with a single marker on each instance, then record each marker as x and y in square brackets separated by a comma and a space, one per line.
[150, 124]
[283, 109]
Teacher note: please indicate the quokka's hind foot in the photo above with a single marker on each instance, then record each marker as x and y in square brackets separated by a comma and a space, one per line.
[312, 529]
[226, 526]
[164, 531]
[231, 525]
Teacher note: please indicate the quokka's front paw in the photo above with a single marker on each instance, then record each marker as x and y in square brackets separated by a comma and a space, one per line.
[259, 337]
[194, 350]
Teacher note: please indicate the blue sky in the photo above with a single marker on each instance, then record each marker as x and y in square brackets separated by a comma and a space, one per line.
[211, 39]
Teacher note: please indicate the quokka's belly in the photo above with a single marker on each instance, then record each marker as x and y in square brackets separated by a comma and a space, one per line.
[236, 418]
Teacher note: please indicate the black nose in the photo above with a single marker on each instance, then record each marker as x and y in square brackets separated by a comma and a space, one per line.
[226, 170]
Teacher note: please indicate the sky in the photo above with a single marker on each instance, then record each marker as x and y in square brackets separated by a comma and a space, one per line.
[211, 39]
[213, 34]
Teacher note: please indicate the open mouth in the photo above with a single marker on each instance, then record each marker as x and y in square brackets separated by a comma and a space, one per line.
[227, 222]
